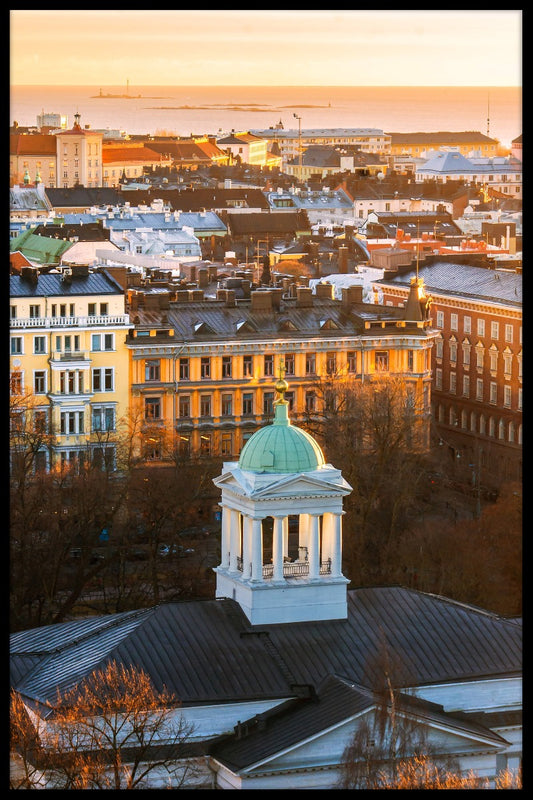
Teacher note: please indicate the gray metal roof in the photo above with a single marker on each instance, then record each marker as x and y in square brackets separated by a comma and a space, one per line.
[207, 651]
[222, 322]
[462, 280]
[335, 702]
[51, 285]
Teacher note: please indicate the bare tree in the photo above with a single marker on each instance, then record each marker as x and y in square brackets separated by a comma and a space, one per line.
[112, 731]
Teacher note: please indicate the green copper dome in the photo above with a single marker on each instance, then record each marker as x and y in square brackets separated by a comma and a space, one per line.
[281, 447]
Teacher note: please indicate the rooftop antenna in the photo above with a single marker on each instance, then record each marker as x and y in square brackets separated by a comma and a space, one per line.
[417, 245]
[488, 112]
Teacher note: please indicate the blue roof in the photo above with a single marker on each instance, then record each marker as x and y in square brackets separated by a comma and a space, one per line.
[52, 285]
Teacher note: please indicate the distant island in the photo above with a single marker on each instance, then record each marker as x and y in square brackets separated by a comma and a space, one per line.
[126, 95]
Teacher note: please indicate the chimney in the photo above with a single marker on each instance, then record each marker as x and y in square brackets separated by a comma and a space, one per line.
[261, 301]
[343, 259]
[351, 295]
[203, 278]
[324, 290]
[304, 297]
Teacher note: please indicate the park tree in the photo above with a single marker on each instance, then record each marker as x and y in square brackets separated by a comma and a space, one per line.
[373, 431]
[114, 730]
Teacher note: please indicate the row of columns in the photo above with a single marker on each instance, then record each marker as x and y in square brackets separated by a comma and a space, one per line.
[241, 529]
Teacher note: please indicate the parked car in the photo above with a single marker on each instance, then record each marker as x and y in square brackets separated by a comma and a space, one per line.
[194, 530]
[174, 550]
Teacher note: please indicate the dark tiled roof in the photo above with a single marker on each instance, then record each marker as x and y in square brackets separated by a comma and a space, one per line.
[276, 223]
[52, 285]
[206, 651]
[462, 280]
[441, 137]
[80, 196]
[87, 232]
[198, 199]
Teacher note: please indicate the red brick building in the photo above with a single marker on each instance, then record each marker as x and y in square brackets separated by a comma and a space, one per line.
[476, 366]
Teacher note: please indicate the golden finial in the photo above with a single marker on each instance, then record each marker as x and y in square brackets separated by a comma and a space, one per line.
[281, 385]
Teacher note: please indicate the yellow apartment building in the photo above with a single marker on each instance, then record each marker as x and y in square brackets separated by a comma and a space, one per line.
[68, 365]
[203, 370]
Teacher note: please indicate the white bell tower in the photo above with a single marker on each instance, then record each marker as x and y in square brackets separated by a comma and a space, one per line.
[281, 549]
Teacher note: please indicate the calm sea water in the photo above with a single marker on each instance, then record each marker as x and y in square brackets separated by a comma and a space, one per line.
[216, 110]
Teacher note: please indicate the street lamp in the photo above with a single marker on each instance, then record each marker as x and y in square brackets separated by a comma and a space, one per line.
[299, 145]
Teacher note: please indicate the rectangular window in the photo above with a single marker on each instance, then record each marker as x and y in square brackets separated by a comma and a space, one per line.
[102, 341]
[479, 389]
[226, 405]
[466, 386]
[91, 309]
[410, 360]
[205, 367]
[226, 444]
[453, 382]
[71, 422]
[16, 345]
[454, 323]
[268, 403]
[184, 369]
[439, 346]
[226, 366]
[103, 418]
[494, 330]
[39, 382]
[184, 405]
[289, 364]
[481, 327]
[351, 360]
[509, 334]
[310, 364]
[205, 444]
[205, 405]
[479, 357]
[493, 398]
[247, 366]
[453, 352]
[467, 324]
[39, 344]
[40, 421]
[310, 401]
[493, 356]
[440, 319]
[438, 379]
[35, 311]
[247, 404]
[104, 309]
[152, 370]
[331, 363]
[103, 379]
[268, 365]
[152, 408]
[382, 360]
[466, 354]
[507, 396]
[507, 364]
[289, 397]
[13, 312]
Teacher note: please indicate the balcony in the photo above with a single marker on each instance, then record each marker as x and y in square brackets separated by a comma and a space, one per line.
[103, 320]
[291, 569]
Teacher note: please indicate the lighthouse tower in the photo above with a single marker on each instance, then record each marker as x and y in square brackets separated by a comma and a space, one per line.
[281, 549]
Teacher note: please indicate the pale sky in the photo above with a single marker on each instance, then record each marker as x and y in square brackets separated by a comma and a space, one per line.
[273, 48]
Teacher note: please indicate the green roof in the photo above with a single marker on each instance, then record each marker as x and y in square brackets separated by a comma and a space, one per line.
[281, 447]
[40, 249]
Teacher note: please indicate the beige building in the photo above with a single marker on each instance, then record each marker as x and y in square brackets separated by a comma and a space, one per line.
[203, 370]
[79, 156]
[68, 364]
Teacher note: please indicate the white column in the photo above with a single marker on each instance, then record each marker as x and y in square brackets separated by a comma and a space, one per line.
[246, 547]
[336, 550]
[257, 549]
[327, 535]
[225, 538]
[277, 548]
[314, 546]
[285, 537]
[303, 536]
[234, 540]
